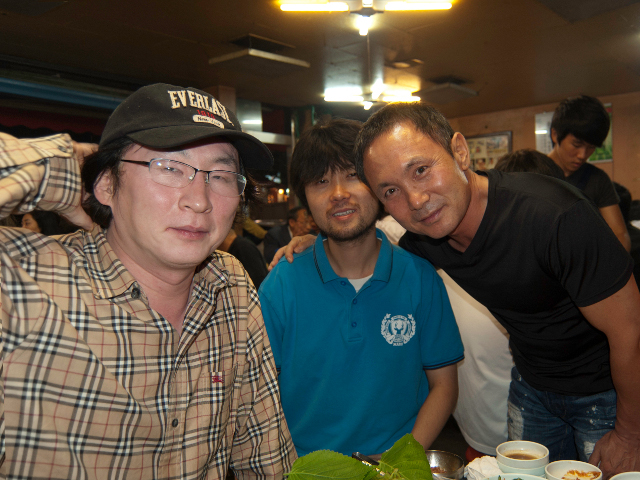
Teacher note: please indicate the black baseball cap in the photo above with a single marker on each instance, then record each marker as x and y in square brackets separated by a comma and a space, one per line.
[167, 116]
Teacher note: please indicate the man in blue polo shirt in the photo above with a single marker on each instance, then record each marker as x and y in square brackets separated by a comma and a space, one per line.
[362, 331]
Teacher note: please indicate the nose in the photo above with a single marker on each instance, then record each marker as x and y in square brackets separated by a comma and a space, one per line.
[339, 192]
[584, 153]
[416, 199]
[195, 196]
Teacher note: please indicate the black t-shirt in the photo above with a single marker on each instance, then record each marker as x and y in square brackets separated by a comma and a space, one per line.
[250, 258]
[541, 251]
[595, 184]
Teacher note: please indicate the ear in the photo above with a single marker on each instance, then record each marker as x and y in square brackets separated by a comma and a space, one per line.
[554, 137]
[103, 189]
[460, 151]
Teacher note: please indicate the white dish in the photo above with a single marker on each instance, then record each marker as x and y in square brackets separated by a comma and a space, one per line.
[539, 451]
[626, 476]
[557, 470]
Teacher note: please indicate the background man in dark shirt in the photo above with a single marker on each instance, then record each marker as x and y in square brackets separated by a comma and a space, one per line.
[579, 125]
[248, 254]
[276, 237]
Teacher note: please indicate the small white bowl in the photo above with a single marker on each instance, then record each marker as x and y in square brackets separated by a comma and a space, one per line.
[626, 476]
[538, 471]
[557, 470]
[537, 450]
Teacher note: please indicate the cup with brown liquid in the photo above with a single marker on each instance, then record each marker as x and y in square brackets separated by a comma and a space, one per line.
[520, 456]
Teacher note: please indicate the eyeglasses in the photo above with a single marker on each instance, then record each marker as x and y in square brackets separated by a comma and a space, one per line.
[172, 173]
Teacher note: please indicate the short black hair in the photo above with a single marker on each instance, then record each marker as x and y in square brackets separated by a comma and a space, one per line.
[426, 119]
[529, 160]
[107, 161]
[583, 117]
[48, 222]
[325, 147]
[293, 213]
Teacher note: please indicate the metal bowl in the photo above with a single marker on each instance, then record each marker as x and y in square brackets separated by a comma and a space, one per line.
[449, 465]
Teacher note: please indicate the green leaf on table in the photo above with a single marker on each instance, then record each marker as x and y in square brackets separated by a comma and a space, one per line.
[406, 459]
[325, 464]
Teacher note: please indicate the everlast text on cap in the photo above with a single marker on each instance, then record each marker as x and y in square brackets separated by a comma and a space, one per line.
[166, 116]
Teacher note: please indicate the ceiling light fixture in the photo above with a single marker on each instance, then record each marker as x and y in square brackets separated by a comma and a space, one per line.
[366, 6]
[363, 23]
[315, 7]
[413, 6]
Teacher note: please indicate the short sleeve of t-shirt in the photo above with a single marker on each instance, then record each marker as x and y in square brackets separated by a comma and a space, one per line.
[585, 257]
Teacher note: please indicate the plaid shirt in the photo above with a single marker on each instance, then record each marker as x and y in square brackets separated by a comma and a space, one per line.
[98, 385]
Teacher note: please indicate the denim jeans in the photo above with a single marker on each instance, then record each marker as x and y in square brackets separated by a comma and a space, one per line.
[569, 426]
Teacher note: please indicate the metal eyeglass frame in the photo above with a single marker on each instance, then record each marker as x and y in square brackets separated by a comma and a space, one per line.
[192, 177]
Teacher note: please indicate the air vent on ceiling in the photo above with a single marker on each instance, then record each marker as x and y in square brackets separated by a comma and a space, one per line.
[258, 58]
[448, 79]
[261, 43]
[445, 93]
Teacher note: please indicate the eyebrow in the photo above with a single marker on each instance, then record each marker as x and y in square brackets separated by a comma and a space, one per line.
[410, 164]
[227, 160]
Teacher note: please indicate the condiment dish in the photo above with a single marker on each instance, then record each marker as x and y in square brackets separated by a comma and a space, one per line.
[559, 469]
[522, 454]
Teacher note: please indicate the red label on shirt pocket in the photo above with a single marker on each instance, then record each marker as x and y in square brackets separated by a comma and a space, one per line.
[217, 379]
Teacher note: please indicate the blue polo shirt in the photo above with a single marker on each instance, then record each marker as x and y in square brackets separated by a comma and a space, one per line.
[352, 364]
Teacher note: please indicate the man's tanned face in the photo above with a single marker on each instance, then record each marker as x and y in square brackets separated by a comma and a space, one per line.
[420, 184]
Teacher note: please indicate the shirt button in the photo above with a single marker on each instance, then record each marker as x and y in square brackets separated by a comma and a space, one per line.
[355, 300]
[175, 423]
[354, 324]
[63, 149]
[135, 293]
[343, 283]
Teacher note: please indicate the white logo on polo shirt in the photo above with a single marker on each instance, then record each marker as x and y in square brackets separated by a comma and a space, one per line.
[398, 330]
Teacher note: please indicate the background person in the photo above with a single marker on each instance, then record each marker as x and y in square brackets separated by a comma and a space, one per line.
[484, 374]
[529, 160]
[634, 232]
[47, 223]
[279, 236]
[248, 255]
[579, 125]
[362, 332]
[133, 349]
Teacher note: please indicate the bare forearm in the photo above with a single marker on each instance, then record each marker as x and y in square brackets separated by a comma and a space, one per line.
[624, 371]
[436, 409]
[617, 316]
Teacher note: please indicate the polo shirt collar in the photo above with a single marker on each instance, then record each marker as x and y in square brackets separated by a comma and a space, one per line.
[382, 272]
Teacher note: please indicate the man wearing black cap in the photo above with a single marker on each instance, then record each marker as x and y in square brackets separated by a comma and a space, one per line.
[134, 349]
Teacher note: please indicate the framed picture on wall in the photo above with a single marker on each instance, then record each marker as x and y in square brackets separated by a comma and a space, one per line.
[486, 149]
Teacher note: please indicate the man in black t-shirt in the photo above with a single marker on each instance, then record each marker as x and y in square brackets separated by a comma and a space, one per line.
[579, 125]
[538, 255]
